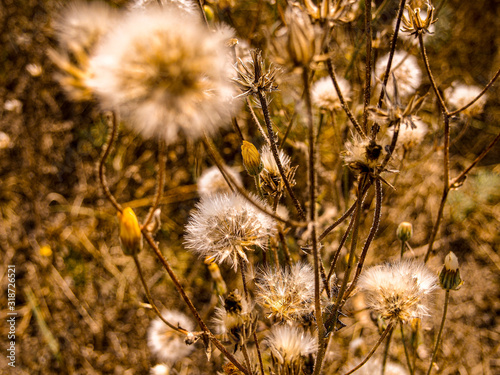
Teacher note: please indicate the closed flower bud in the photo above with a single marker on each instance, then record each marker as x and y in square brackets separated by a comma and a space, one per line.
[301, 38]
[449, 278]
[405, 231]
[251, 159]
[130, 232]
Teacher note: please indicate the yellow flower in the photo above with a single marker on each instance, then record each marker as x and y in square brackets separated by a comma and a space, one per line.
[251, 159]
[130, 232]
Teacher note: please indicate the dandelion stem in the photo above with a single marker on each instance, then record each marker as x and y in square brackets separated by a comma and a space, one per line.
[259, 355]
[150, 298]
[368, 68]
[243, 277]
[436, 345]
[189, 303]
[247, 358]
[274, 150]
[407, 355]
[386, 351]
[162, 159]
[107, 149]
[372, 351]
[343, 103]
[393, 48]
[429, 73]
[257, 122]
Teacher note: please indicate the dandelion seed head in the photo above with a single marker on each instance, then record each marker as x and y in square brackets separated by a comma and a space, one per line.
[406, 71]
[459, 95]
[160, 370]
[398, 290]
[362, 153]
[269, 162]
[286, 293]
[212, 181]
[411, 136]
[223, 226]
[187, 6]
[167, 344]
[289, 343]
[166, 74]
[325, 96]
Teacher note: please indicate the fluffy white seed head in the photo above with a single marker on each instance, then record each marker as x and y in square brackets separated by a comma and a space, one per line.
[185, 5]
[398, 290]
[406, 71]
[167, 344]
[166, 74]
[160, 370]
[289, 343]
[325, 96]
[212, 182]
[459, 95]
[286, 294]
[411, 136]
[362, 153]
[269, 163]
[374, 366]
[223, 226]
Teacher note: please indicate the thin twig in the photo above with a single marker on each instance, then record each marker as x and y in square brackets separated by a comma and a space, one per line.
[368, 67]
[407, 355]
[372, 351]
[492, 81]
[386, 352]
[107, 149]
[162, 160]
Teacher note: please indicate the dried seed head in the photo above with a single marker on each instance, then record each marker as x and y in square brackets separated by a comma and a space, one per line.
[286, 293]
[253, 76]
[449, 278]
[414, 24]
[168, 345]
[272, 183]
[212, 181]
[130, 232]
[324, 95]
[224, 226]
[398, 291]
[289, 344]
[165, 74]
[363, 154]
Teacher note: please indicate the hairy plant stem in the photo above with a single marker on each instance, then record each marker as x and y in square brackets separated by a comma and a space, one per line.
[160, 182]
[150, 298]
[436, 345]
[243, 278]
[259, 355]
[113, 125]
[274, 150]
[368, 67]
[312, 216]
[151, 242]
[386, 351]
[246, 356]
[217, 159]
[389, 328]
[391, 53]
[337, 222]
[407, 355]
[343, 103]
[257, 122]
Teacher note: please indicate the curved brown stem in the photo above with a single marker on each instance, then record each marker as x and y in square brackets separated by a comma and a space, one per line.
[104, 156]
[189, 303]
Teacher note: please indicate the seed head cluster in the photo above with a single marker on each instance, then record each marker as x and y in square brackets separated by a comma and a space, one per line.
[289, 343]
[398, 291]
[225, 225]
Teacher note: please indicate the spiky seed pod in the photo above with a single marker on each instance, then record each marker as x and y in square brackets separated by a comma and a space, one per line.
[449, 277]
[166, 74]
[224, 226]
[414, 24]
[398, 291]
[130, 232]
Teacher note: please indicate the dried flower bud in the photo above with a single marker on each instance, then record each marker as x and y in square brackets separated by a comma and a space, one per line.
[251, 159]
[449, 278]
[301, 38]
[405, 231]
[220, 284]
[130, 232]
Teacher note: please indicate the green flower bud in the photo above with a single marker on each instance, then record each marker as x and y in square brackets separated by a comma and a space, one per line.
[449, 278]
[405, 231]
[251, 159]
